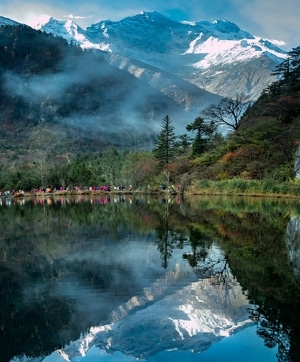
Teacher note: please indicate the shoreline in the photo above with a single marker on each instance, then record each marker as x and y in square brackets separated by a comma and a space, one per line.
[156, 192]
[88, 193]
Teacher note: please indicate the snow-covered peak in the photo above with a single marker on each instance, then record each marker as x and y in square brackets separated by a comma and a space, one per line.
[187, 322]
[66, 29]
[152, 33]
[201, 52]
[149, 35]
[55, 25]
[223, 29]
[219, 51]
[177, 312]
[38, 22]
[153, 16]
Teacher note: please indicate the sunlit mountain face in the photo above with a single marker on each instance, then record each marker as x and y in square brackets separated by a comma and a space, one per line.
[217, 56]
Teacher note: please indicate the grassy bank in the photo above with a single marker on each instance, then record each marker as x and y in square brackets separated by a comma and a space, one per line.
[235, 187]
[247, 187]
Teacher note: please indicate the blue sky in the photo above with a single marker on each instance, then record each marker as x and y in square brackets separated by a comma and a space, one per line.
[272, 19]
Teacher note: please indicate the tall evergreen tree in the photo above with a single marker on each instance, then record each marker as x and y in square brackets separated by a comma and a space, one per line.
[165, 145]
[289, 65]
[184, 142]
[204, 133]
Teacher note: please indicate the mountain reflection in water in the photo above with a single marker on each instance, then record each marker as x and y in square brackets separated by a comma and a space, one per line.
[139, 277]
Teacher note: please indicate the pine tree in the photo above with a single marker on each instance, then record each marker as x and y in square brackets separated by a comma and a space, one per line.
[165, 145]
[204, 133]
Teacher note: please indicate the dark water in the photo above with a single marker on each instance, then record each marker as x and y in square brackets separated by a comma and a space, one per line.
[202, 276]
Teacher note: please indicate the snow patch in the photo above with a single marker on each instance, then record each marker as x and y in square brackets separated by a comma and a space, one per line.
[38, 22]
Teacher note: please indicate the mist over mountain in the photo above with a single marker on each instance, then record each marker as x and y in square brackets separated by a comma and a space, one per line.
[76, 90]
[216, 56]
[58, 97]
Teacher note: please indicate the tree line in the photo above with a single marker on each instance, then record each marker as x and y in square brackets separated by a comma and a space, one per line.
[163, 165]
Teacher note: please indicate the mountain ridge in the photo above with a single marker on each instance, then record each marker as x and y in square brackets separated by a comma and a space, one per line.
[6, 21]
[202, 53]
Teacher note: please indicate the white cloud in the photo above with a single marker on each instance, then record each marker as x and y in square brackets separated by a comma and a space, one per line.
[74, 17]
[272, 19]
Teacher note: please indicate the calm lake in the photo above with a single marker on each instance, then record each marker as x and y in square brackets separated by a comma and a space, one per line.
[126, 278]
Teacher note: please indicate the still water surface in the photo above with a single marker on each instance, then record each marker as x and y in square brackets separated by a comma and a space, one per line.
[200, 279]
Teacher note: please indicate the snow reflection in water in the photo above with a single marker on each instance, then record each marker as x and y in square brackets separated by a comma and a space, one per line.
[175, 313]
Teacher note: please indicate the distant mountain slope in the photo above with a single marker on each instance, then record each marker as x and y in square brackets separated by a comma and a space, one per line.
[191, 97]
[5, 21]
[216, 56]
[54, 96]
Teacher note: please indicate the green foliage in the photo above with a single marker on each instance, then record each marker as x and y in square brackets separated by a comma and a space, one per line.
[289, 71]
[138, 168]
[266, 150]
[184, 142]
[165, 145]
[111, 166]
[204, 135]
[248, 187]
[264, 147]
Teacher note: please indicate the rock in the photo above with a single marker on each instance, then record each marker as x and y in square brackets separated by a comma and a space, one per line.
[293, 244]
[297, 163]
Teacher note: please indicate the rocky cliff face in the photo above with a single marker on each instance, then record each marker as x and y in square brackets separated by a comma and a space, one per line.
[297, 163]
[293, 243]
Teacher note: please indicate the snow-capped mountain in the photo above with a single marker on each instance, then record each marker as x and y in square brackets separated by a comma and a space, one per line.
[216, 56]
[65, 29]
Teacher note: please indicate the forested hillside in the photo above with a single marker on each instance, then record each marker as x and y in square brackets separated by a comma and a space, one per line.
[68, 118]
[264, 140]
[57, 97]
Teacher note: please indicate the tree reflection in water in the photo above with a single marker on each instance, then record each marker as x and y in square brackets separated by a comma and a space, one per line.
[39, 236]
[253, 237]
